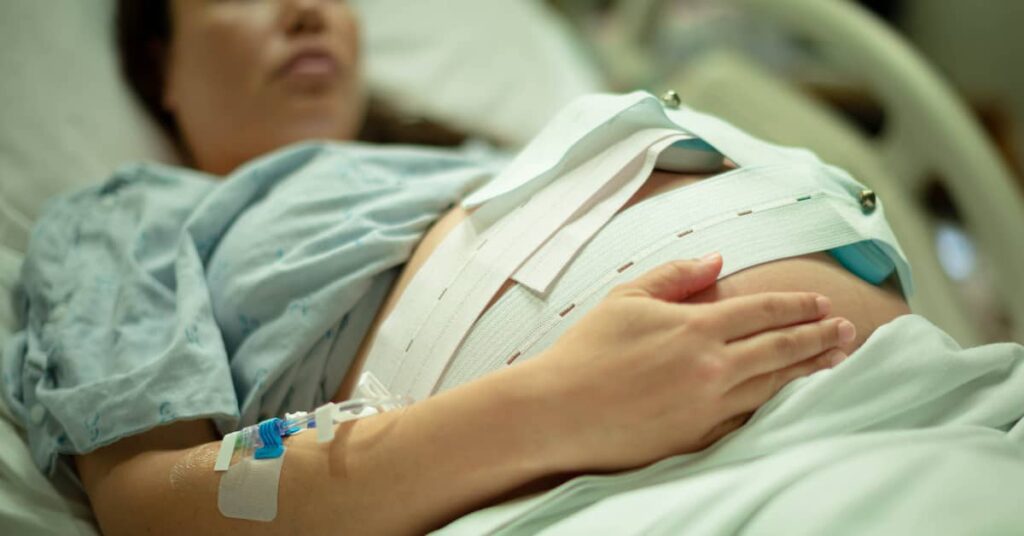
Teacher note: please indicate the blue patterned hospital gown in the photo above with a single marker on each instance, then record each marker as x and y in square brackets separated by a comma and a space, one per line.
[165, 294]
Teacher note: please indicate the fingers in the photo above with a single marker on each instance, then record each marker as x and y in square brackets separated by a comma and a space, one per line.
[744, 316]
[676, 280]
[743, 400]
[778, 349]
[751, 394]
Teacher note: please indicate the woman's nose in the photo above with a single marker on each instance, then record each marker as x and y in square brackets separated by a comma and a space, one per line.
[303, 16]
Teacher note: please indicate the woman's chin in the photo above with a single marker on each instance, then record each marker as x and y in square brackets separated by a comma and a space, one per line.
[313, 128]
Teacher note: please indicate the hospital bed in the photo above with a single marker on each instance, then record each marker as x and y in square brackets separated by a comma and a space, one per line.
[927, 132]
[67, 122]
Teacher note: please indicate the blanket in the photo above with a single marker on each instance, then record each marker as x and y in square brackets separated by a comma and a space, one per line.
[910, 435]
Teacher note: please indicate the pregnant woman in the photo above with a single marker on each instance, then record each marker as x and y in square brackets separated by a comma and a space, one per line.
[171, 305]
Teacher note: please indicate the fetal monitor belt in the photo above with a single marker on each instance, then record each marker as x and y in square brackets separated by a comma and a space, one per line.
[534, 219]
[521, 323]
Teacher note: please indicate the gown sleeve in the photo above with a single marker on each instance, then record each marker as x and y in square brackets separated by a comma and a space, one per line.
[118, 335]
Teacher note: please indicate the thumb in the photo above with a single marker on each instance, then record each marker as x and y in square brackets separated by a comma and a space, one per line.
[676, 280]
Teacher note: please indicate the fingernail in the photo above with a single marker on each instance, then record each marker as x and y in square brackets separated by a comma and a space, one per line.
[847, 331]
[711, 257]
[836, 357]
[824, 305]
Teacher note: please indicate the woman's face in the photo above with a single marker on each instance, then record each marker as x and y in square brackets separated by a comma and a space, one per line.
[245, 77]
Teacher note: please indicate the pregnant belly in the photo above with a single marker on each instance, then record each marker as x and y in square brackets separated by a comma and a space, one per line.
[866, 305]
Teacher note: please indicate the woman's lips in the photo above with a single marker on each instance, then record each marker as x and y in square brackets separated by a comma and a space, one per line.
[310, 65]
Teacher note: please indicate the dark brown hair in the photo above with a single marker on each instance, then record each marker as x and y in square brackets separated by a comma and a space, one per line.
[143, 33]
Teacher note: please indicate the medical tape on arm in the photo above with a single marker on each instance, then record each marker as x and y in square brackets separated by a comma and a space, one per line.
[248, 490]
[414, 369]
[227, 449]
[324, 414]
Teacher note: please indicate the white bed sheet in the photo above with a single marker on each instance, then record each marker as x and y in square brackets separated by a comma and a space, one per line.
[910, 435]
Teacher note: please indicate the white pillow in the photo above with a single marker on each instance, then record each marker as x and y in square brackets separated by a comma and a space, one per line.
[66, 119]
[499, 68]
[10, 266]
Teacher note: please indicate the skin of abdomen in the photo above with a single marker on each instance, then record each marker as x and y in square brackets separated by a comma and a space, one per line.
[866, 305]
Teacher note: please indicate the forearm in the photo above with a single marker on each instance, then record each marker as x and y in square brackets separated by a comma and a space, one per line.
[449, 455]
[401, 472]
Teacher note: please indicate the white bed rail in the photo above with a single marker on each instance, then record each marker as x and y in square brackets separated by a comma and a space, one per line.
[928, 132]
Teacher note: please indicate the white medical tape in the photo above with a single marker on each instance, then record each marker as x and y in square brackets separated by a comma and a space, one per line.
[324, 417]
[248, 490]
[227, 448]
[541, 269]
[491, 262]
[351, 415]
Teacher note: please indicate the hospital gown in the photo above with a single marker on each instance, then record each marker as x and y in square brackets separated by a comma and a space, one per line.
[166, 294]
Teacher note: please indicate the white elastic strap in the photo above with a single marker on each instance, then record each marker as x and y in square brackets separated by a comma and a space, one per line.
[561, 145]
[779, 233]
[740, 147]
[227, 448]
[249, 489]
[584, 128]
[441, 268]
[540, 271]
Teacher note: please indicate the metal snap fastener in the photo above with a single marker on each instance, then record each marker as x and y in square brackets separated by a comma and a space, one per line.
[671, 99]
[868, 201]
